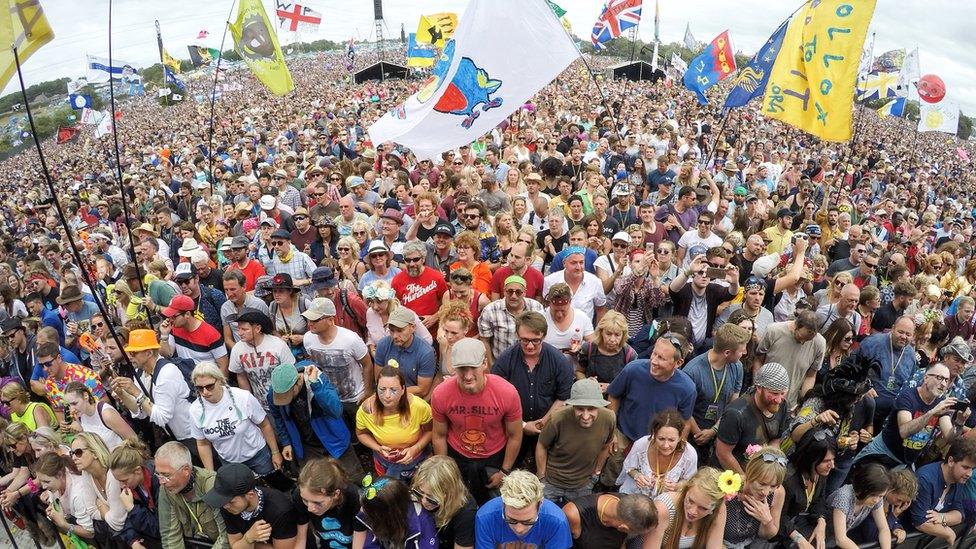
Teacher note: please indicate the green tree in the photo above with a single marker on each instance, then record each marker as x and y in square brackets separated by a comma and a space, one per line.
[965, 127]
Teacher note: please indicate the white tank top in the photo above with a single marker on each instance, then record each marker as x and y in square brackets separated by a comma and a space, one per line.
[94, 424]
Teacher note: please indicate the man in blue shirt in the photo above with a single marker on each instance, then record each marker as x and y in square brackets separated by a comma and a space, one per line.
[521, 517]
[645, 387]
[49, 317]
[404, 350]
[941, 501]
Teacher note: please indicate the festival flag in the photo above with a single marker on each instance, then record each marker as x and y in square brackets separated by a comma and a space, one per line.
[203, 34]
[436, 29]
[889, 61]
[67, 133]
[257, 44]
[77, 84]
[297, 18]
[170, 78]
[939, 117]
[419, 55]
[79, 101]
[654, 58]
[170, 61]
[895, 107]
[751, 81]
[101, 71]
[22, 26]
[90, 117]
[163, 92]
[350, 54]
[503, 53]
[811, 85]
[104, 126]
[200, 55]
[616, 17]
[909, 74]
[689, 40]
[561, 15]
[878, 85]
[716, 63]
[677, 63]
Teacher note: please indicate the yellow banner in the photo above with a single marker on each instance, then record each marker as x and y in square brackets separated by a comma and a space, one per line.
[436, 29]
[256, 42]
[420, 62]
[811, 85]
[23, 25]
[171, 62]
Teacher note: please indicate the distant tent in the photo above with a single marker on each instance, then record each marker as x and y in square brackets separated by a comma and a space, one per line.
[381, 71]
[636, 70]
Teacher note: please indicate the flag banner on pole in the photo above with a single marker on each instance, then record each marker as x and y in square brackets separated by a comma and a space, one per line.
[350, 55]
[104, 126]
[170, 78]
[889, 61]
[716, 63]
[689, 39]
[812, 82]
[503, 53]
[257, 44]
[171, 62]
[561, 15]
[77, 84]
[99, 70]
[751, 81]
[895, 107]
[436, 29]
[90, 117]
[939, 117]
[163, 92]
[909, 74]
[67, 133]
[419, 55]
[297, 18]
[79, 101]
[654, 58]
[24, 26]
[878, 85]
[677, 63]
[200, 55]
[616, 17]
[203, 34]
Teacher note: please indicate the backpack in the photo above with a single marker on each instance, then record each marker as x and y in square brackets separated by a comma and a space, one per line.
[344, 299]
[186, 366]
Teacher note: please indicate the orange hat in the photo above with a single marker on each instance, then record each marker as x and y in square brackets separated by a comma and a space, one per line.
[141, 340]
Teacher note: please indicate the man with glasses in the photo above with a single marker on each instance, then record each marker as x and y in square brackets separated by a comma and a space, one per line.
[186, 336]
[289, 260]
[440, 250]
[425, 170]
[697, 297]
[183, 515]
[207, 300]
[419, 287]
[913, 421]
[521, 517]
[304, 234]
[240, 257]
[408, 353]
[865, 273]
[287, 194]
[703, 236]
[60, 373]
[475, 220]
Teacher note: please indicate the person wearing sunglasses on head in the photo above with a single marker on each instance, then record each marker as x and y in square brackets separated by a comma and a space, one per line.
[754, 514]
[521, 516]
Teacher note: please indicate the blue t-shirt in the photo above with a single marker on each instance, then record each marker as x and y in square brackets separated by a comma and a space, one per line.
[893, 376]
[415, 361]
[550, 532]
[641, 397]
[908, 449]
[53, 319]
[708, 407]
[931, 484]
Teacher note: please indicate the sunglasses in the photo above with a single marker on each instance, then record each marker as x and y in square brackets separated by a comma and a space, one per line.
[461, 279]
[335, 179]
[359, 233]
[208, 387]
[277, 242]
[78, 452]
[299, 217]
[560, 301]
[98, 324]
[472, 216]
[422, 497]
[530, 522]
[317, 195]
[412, 259]
[343, 249]
[46, 363]
[514, 291]
[6, 403]
[620, 245]
[772, 458]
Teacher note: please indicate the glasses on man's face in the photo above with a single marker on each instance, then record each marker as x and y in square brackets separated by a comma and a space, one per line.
[620, 245]
[515, 291]
[335, 179]
[208, 387]
[98, 324]
[278, 178]
[513, 522]
[166, 477]
[527, 342]
[871, 266]
[184, 282]
[46, 363]
[277, 242]
[412, 259]
[458, 163]
[472, 216]
[939, 378]
[318, 195]
[424, 498]
[299, 217]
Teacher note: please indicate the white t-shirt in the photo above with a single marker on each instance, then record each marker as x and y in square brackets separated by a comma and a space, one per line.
[258, 362]
[231, 425]
[588, 296]
[603, 262]
[691, 239]
[564, 339]
[339, 362]
[95, 424]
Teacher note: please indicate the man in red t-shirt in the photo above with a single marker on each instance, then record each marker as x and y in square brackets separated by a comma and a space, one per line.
[418, 287]
[518, 264]
[239, 255]
[477, 420]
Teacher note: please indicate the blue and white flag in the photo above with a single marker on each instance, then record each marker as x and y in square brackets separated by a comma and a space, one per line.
[171, 78]
[895, 107]
[502, 53]
[751, 81]
[100, 70]
[80, 101]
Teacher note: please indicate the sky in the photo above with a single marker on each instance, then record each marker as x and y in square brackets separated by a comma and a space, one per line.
[938, 28]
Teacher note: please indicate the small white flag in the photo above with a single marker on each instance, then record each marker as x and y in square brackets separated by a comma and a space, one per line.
[163, 92]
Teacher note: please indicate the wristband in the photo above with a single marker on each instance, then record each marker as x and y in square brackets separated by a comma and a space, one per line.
[505, 471]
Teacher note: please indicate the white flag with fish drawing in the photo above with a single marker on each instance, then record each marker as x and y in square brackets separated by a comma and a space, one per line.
[502, 53]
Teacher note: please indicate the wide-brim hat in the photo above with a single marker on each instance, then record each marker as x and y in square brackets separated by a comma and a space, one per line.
[70, 294]
[283, 281]
[256, 316]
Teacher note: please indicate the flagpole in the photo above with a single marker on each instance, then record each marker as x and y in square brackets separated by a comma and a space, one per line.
[85, 275]
[118, 160]
[859, 114]
[918, 63]
[213, 98]
[721, 128]
[162, 61]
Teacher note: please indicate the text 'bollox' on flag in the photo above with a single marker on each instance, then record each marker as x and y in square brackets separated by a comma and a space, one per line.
[503, 52]
[812, 83]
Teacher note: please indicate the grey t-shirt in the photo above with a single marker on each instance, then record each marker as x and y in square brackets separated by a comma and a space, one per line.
[229, 312]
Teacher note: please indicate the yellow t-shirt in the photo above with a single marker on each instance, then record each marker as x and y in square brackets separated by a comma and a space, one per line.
[393, 433]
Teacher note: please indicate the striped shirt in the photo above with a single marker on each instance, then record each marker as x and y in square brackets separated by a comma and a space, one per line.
[204, 343]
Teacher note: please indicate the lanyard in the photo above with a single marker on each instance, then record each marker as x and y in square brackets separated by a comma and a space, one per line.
[718, 386]
[192, 515]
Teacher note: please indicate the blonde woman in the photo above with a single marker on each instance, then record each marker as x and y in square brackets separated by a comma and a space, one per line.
[607, 353]
[437, 487]
[381, 300]
[32, 414]
[514, 184]
[350, 266]
[831, 294]
[694, 516]
[91, 457]
[754, 513]
[453, 323]
[505, 232]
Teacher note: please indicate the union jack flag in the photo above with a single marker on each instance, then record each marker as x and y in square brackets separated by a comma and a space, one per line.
[616, 17]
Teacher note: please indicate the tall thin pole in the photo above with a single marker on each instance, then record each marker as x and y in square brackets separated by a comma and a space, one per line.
[162, 60]
[118, 163]
[213, 98]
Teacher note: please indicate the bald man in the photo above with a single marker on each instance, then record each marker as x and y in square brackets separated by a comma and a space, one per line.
[846, 307]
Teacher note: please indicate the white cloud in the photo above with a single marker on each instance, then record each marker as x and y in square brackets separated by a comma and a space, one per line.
[938, 27]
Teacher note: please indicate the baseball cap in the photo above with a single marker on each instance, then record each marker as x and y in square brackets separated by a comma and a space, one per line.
[239, 241]
[184, 271]
[400, 317]
[784, 212]
[622, 236]
[283, 378]
[320, 307]
[179, 304]
[467, 353]
[282, 234]
[443, 227]
[231, 480]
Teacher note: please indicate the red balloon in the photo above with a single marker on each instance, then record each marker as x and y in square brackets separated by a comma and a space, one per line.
[931, 88]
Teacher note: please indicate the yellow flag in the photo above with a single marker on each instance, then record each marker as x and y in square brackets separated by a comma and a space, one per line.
[171, 62]
[436, 29]
[811, 85]
[256, 42]
[22, 24]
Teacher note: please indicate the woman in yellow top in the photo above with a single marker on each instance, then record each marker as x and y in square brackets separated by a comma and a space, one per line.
[22, 410]
[395, 425]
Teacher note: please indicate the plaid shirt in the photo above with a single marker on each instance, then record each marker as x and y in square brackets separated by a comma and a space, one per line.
[300, 267]
[498, 325]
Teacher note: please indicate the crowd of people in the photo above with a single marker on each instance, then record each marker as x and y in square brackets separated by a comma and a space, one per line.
[605, 324]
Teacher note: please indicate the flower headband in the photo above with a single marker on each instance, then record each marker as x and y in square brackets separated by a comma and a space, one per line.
[924, 317]
[380, 293]
[370, 488]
